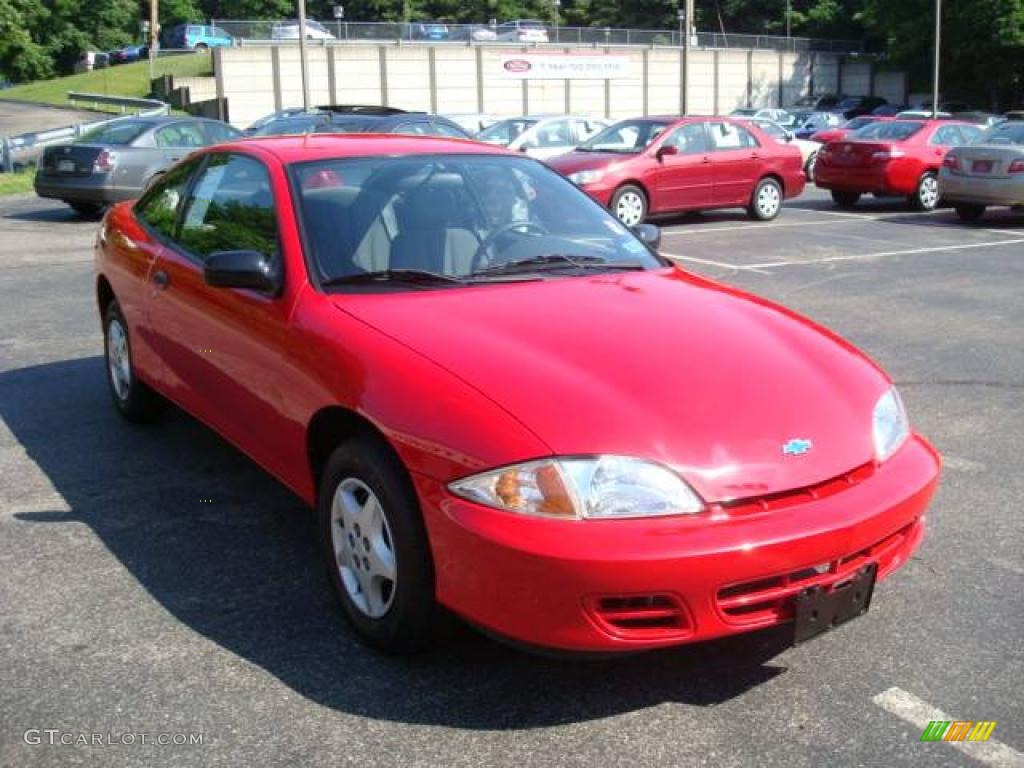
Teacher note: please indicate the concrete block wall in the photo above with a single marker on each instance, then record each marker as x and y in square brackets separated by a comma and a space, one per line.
[459, 78]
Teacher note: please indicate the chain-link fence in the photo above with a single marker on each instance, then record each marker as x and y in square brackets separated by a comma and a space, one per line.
[438, 32]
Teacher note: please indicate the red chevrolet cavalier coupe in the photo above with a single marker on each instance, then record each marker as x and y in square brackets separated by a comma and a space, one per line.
[659, 165]
[891, 158]
[502, 402]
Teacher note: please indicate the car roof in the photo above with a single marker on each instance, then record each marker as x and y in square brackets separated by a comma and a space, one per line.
[324, 146]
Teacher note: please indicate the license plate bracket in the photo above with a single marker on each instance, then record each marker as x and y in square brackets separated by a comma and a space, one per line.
[66, 166]
[819, 609]
[981, 166]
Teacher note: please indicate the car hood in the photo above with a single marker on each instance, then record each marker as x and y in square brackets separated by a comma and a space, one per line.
[662, 365]
[576, 160]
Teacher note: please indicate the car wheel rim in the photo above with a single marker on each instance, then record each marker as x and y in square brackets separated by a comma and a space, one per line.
[364, 551]
[118, 360]
[929, 194]
[630, 209]
[768, 200]
[810, 166]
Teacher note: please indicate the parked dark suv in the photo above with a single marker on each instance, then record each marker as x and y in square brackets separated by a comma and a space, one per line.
[855, 106]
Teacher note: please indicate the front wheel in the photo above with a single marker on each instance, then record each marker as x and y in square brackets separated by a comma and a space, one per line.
[375, 547]
[629, 204]
[134, 400]
[845, 199]
[970, 211]
[926, 195]
[766, 200]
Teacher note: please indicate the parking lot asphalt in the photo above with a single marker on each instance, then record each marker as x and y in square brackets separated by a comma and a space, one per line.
[153, 580]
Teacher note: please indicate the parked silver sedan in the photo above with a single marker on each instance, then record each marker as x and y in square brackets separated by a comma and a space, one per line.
[117, 160]
[988, 172]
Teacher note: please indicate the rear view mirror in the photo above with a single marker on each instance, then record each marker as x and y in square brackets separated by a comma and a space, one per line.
[649, 233]
[240, 269]
[666, 149]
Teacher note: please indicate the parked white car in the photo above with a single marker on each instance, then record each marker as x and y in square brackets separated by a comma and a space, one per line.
[543, 136]
[473, 122]
[523, 31]
[780, 116]
[808, 149]
[289, 30]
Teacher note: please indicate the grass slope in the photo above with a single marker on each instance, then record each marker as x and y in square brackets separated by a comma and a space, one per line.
[122, 80]
[16, 183]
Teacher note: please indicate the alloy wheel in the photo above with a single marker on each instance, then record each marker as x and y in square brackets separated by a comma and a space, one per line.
[118, 359]
[364, 549]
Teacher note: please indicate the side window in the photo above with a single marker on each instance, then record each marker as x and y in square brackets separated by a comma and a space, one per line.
[772, 129]
[217, 132]
[584, 129]
[230, 208]
[443, 129]
[690, 139]
[413, 129]
[160, 204]
[554, 134]
[180, 135]
[726, 136]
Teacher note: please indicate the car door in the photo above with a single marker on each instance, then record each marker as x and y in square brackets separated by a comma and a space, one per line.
[222, 346]
[175, 140]
[683, 175]
[737, 159]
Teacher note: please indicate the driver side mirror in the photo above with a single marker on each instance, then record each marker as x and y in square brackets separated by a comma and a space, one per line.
[666, 149]
[241, 269]
[789, 136]
[650, 234]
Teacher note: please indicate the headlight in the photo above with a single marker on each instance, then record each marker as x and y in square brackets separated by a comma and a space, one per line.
[889, 424]
[598, 487]
[585, 177]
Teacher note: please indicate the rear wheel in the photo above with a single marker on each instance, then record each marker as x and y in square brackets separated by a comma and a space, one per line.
[133, 399]
[375, 547]
[766, 200]
[926, 195]
[629, 204]
[970, 211]
[809, 166]
[89, 210]
[845, 199]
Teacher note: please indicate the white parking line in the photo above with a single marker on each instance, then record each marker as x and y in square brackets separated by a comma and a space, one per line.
[881, 254]
[919, 713]
[709, 263]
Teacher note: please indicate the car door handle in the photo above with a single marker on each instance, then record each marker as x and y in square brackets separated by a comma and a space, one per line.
[755, 155]
[161, 279]
[706, 159]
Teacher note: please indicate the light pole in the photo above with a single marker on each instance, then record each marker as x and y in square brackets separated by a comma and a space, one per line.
[685, 25]
[154, 30]
[935, 71]
[789, 11]
[300, 8]
[339, 15]
[557, 4]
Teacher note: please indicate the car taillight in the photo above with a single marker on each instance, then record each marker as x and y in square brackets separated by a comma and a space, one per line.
[1017, 166]
[105, 162]
[885, 155]
[952, 162]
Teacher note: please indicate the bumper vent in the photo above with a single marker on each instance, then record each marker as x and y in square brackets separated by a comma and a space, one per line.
[640, 616]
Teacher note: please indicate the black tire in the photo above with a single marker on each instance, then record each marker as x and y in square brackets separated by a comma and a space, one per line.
[413, 618]
[135, 401]
[87, 210]
[970, 211]
[633, 202]
[926, 194]
[766, 200]
[202, 47]
[845, 199]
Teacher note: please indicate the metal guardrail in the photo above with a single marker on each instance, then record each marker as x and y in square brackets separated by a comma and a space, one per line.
[440, 32]
[28, 141]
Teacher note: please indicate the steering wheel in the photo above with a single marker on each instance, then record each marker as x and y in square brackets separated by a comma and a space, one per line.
[489, 240]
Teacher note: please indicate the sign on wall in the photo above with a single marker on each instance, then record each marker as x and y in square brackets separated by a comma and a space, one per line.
[554, 66]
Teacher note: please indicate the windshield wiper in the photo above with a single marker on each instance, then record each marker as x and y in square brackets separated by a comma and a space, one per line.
[415, 276]
[556, 261]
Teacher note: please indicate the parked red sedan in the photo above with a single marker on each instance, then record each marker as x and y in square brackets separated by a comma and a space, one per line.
[657, 165]
[502, 401]
[844, 130]
[896, 157]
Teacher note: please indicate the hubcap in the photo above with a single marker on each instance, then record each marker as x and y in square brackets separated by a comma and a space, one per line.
[364, 551]
[630, 209]
[768, 200]
[929, 194]
[809, 170]
[117, 359]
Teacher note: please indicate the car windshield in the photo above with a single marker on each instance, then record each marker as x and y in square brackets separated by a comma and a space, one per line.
[628, 137]
[1004, 133]
[505, 131]
[290, 125]
[454, 219]
[896, 130]
[115, 133]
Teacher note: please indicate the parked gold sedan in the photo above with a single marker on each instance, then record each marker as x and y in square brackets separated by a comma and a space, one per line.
[987, 172]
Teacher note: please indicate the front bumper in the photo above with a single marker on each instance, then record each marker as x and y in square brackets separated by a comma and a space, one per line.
[980, 190]
[624, 585]
[96, 188]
